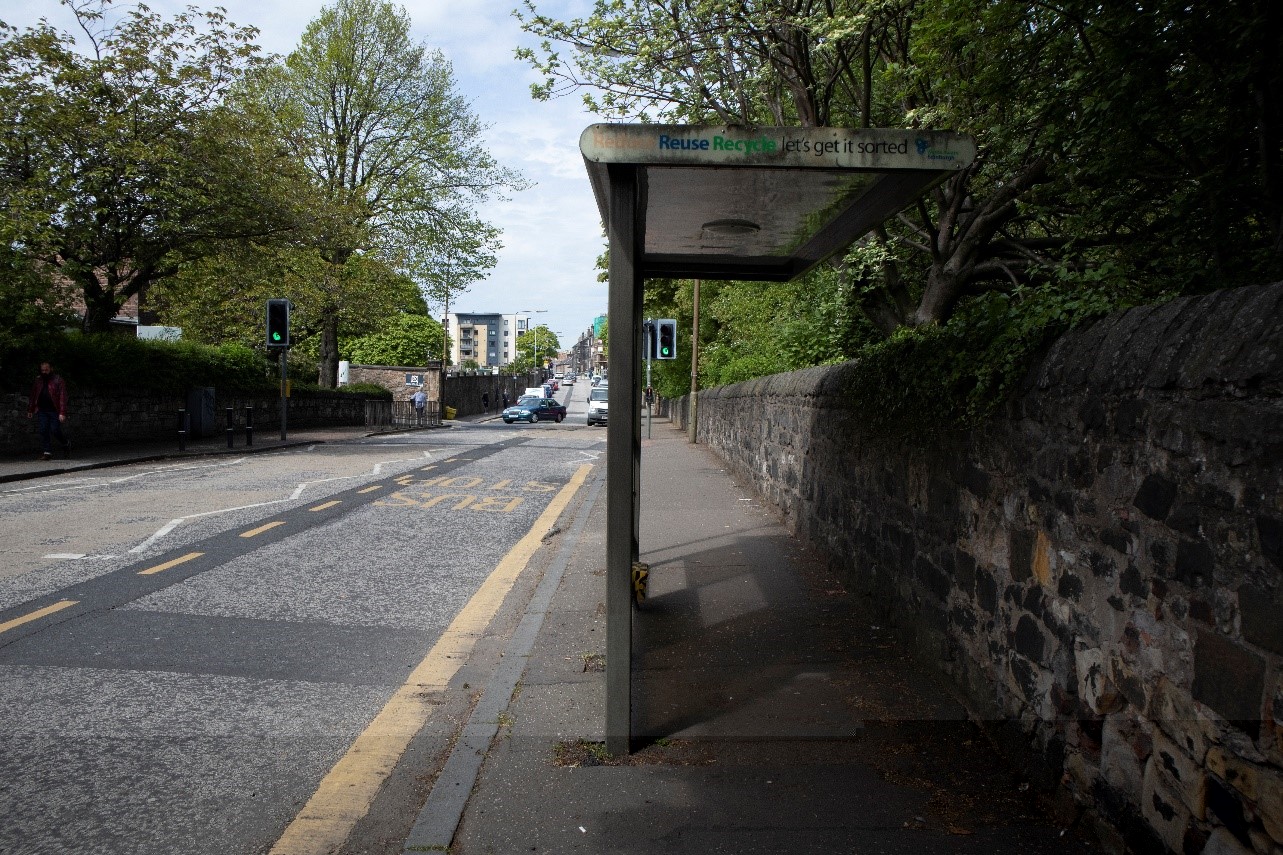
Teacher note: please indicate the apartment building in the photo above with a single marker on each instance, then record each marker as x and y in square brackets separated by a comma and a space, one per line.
[486, 338]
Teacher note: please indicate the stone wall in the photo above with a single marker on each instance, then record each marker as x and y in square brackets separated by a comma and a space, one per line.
[1100, 570]
[108, 418]
[464, 392]
[392, 378]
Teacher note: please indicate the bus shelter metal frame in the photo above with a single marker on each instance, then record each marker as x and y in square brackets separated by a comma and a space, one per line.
[713, 202]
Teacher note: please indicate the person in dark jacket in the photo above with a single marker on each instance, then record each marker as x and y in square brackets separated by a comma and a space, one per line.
[48, 404]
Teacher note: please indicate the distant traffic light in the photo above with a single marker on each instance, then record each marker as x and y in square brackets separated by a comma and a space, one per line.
[666, 339]
[278, 323]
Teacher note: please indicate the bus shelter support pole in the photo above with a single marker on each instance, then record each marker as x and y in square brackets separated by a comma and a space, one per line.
[623, 449]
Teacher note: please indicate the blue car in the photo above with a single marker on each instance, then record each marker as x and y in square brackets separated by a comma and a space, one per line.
[532, 409]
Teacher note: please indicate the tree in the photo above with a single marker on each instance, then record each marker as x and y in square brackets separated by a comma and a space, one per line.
[536, 346]
[221, 298]
[396, 152]
[1120, 146]
[120, 162]
[405, 339]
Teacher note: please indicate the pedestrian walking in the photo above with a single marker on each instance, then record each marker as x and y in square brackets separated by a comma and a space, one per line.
[506, 402]
[420, 402]
[485, 403]
[48, 404]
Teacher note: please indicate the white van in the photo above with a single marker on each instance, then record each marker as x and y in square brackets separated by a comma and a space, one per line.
[598, 407]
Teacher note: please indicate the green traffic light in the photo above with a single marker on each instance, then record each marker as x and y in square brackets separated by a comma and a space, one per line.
[276, 336]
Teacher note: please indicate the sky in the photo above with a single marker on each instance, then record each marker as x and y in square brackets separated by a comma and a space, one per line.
[552, 232]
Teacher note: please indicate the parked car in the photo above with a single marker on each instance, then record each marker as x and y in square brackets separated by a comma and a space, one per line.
[597, 405]
[534, 408]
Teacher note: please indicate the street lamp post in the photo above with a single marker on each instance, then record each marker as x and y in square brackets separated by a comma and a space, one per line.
[534, 312]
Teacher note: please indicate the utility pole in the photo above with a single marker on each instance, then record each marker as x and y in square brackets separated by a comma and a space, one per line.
[648, 346]
[693, 428]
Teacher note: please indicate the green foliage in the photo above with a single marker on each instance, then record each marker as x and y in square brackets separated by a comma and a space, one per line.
[373, 390]
[403, 340]
[29, 304]
[1146, 138]
[400, 156]
[116, 361]
[119, 158]
[222, 298]
[539, 343]
[751, 329]
[923, 381]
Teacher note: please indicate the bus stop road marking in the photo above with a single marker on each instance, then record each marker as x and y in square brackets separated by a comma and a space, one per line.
[347, 791]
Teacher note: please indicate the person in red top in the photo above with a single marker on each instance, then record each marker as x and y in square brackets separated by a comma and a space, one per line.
[48, 403]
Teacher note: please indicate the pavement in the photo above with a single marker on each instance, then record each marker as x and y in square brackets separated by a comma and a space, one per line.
[15, 468]
[773, 709]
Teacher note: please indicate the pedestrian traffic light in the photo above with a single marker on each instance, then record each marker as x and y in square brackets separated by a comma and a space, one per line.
[666, 339]
[278, 323]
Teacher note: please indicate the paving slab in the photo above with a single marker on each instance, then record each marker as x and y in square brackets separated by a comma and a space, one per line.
[771, 712]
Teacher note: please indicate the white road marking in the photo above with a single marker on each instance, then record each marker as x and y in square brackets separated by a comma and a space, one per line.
[108, 482]
[80, 556]
[298, 491]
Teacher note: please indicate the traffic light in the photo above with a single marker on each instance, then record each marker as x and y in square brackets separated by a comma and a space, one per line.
[278, 323]
[666, 339]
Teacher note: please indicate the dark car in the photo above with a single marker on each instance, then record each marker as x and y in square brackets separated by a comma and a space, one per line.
[532, 409]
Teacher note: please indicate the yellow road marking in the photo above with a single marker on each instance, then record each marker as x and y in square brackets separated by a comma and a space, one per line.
[326, 505]
[36, 615]
[371, 489]
[346, 793]
[180, 560]
[262, 528]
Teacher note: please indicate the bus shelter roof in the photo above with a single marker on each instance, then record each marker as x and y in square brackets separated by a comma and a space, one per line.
[762, 203]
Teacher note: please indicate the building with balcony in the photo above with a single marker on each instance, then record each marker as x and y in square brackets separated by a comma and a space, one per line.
[486, 338]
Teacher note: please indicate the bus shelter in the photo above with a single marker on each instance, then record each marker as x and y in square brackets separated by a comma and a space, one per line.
[704, 202]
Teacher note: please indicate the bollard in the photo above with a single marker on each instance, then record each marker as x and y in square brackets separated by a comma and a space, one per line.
[182, 429]
[249, 425]
[231, 426]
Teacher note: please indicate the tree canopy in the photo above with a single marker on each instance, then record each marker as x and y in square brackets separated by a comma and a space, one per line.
[119, 158]
[535, 347]
[395, 151]
[1134, 149]
[404, 339]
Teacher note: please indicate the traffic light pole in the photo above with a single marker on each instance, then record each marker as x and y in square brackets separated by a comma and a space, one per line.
[648, 396]
[278, 339]
[285, 400]
[648, 345]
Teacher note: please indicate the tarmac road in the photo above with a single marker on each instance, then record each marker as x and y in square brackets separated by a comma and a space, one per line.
[188, 649]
